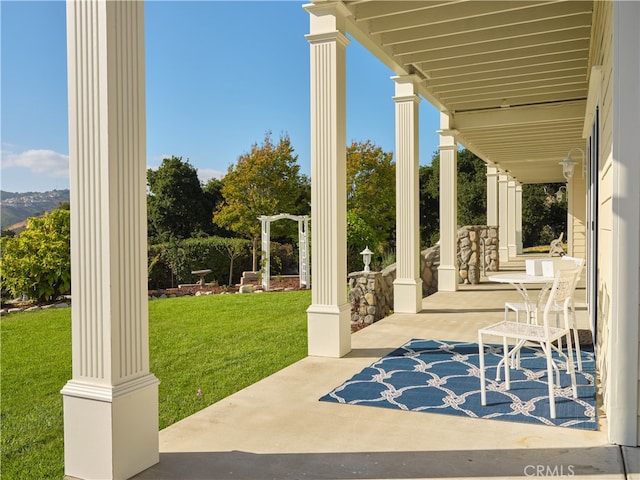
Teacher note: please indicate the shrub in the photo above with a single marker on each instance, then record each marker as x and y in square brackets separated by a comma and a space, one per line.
[37, 262]
[171, 263]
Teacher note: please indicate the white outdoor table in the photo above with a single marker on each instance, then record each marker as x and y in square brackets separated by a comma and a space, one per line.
[520, 282]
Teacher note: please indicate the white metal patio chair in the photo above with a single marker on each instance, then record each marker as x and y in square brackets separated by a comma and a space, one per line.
[543, 334]
[519, 308]
[556, 248]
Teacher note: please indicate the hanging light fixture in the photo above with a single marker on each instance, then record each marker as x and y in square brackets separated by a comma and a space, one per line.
[568, 164]
[559, 194]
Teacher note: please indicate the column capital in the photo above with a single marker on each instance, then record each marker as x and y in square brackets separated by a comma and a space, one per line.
[324, 37]
[407, 98]
[492, 171]
[448, 140]
[447, 132]
[411, 78]
[327, 17]
[407, 87]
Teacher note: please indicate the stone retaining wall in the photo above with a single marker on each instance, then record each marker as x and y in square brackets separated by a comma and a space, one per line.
[371, 293]
[477, 243]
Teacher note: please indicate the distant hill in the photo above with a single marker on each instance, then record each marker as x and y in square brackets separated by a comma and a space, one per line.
[15, 208]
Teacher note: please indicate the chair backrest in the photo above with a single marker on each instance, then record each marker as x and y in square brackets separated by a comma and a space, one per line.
[578, 261]
[562, 290]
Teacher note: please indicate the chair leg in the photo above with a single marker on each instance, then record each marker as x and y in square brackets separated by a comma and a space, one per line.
[572, 370]
[507, 378]
[560, 339]
[574, 327]
[550, 383]
[483, 389]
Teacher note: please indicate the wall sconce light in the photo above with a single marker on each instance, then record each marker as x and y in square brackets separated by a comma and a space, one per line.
[561, 191]
[366, 258]
[568, 164]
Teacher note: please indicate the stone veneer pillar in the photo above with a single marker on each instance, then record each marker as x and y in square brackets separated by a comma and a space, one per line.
[408, 284]
[328, 317]
[111, 403]
[503, 217]
[448, 270]
[511, 217]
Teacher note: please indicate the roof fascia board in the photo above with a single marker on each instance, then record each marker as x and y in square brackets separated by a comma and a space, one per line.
[519, 115]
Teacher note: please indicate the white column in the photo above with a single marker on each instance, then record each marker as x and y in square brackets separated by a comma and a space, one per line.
[503, 218]
[519, 218]
[111, 403]
[622, 393]
[492, 195]
[511, 217]
[407, 287]
[328, 317]
[448, 270]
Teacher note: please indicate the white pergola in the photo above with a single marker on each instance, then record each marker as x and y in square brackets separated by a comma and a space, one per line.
[517, 82]
[303, 247]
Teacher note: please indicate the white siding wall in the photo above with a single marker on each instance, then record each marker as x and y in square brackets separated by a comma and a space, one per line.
[602, 54]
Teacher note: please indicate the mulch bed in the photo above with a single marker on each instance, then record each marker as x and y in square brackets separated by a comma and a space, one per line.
[276, 285]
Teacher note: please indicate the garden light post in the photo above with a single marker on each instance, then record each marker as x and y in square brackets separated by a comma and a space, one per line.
[366, 258]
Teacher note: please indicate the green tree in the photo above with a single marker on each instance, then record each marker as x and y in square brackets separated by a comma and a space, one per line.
[265, 181]
[544, 216]
[232, 248]
[371, 198]
[176, 204]
[213, 200]
[359, 236]
[37, 262]
[429, 208]
[472, 195]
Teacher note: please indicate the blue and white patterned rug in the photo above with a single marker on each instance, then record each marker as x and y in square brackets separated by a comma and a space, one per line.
[444, 377]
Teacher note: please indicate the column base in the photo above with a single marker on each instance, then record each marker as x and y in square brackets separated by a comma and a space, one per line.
[513, 251]
[329, 330]
[503, 253]
[110, 432]
[447, 278]
[407, 295]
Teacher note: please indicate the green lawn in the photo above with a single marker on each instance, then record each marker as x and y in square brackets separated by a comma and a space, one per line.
[218, 344]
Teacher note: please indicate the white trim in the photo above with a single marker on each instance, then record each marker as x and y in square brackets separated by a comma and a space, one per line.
[593, 99]
[106, 393]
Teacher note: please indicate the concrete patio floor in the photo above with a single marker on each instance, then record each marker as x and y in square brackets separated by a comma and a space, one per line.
[277, 428]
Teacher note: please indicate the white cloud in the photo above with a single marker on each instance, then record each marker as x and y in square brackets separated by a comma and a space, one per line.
[206, 174]
[41, 162]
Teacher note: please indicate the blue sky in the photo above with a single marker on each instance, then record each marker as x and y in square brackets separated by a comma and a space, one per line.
[219, 75]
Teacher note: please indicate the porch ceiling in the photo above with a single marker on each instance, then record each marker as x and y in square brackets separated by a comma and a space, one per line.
[512, 75]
